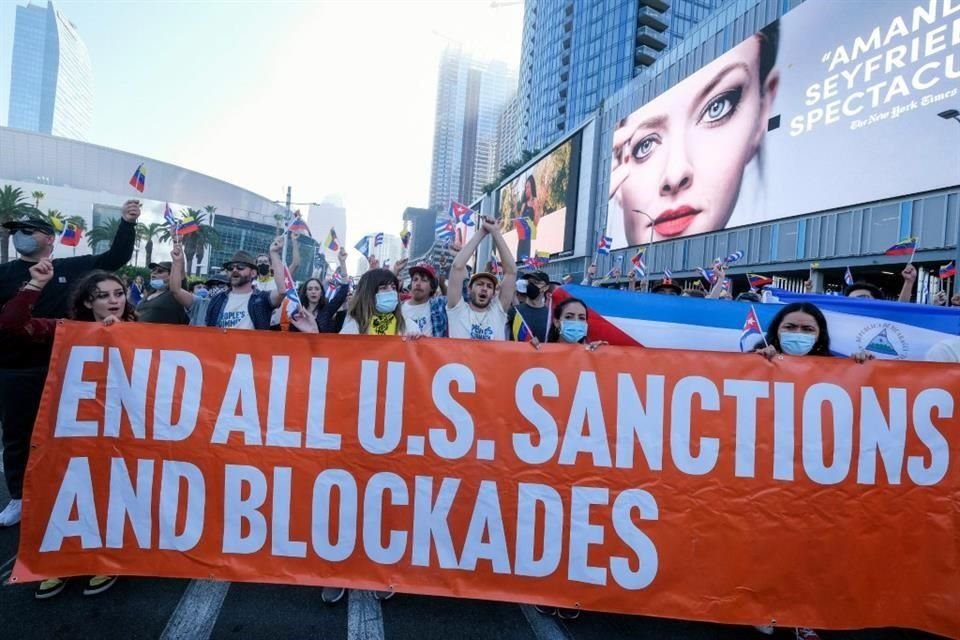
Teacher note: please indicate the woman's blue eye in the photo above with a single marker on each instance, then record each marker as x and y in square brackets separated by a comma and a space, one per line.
[721, 106]
[645, 147]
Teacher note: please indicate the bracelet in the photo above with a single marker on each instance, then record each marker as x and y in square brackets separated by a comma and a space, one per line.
[32, 287]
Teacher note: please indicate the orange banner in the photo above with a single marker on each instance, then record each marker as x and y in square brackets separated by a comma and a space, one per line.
[717, 487]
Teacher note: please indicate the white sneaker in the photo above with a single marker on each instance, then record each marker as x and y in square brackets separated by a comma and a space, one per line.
[11, 513]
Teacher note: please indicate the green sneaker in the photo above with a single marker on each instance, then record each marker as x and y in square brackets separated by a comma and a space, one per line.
[99, 584]
[49, 588]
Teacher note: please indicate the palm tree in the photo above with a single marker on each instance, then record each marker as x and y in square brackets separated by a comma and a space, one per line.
[55, 217]
[149, 232]
[37, 197]
[103, 233]
[12, 206]
[194, 243]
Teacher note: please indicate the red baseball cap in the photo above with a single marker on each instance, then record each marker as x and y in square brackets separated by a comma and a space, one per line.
[427, 269]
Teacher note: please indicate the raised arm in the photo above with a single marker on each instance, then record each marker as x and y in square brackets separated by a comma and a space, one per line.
[909, 274]
[508, 286]
[121, 249]
[458, 271]
[177, 268]
[295, 249]
[276, 263]
[717, 289]
[16, 316]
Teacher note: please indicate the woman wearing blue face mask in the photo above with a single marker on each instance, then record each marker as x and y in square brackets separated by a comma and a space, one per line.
[375, 306]
[570, 324]
[800, 329]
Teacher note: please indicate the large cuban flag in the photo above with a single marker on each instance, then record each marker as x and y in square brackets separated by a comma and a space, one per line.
[888, 330]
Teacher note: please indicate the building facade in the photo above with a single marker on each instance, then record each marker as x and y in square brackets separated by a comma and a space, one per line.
[92, 182]
[575, 54]
[51, 82]
[471, 95]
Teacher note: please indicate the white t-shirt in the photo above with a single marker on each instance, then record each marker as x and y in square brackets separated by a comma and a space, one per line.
[271, 286]
[416, 317]
[350, 326]
[236, 314]
[489, 324]
[945, 351]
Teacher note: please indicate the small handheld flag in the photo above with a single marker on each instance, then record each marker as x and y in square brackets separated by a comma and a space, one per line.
[444, 229]
[638, 264]
[727, 285]
[168, 216]
[71, 235]
[57, 224]
[298, 225]
[378, 239]
[290, 293]
[139, 179]
[520, 329]
[757, 281]
[902, 248]
[604, 245]
[363, 246]
[708, 274]
[948, 270]
[733, 257]
[667, 276]
[332, 242]
[751, 329]
[187, 226]
[617, 267]
[405, 238]
[847, 277]
[462, 213]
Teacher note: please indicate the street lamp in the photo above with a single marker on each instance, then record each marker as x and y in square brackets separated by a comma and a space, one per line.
[646, 272]
[950, 114]
[953, 114]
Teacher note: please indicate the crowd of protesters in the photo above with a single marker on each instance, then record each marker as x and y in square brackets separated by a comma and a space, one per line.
[35, 291]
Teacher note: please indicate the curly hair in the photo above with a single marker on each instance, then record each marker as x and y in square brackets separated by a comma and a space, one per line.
[86, 290]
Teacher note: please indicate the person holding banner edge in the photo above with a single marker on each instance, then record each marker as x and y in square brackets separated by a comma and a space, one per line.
[100, 297]
[800, 329]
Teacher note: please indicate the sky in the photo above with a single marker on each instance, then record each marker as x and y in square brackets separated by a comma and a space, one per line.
[327, 97]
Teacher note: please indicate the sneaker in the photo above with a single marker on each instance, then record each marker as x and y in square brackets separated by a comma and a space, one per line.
[384, 595]
[545, 610]
[11, 513]
[331, 595]
[766, 629]
[49, 588]
[99, 584]
[568, 614]
[807, 634]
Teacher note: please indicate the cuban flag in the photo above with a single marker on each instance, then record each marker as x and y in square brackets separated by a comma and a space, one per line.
[638, 264]
[708, 274]
[889, 330]
[604, 245]
[667, 276]
[461, 213]
[445, 228]
[733, 257]
[290, 293]
[363, 246]
[752, 333]
[168, 216]
[378, 239]
[847, 277]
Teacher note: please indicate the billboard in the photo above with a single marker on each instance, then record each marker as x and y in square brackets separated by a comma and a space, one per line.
[545, 197]
[833, 105]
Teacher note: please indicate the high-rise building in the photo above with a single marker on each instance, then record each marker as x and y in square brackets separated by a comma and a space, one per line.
[509, 147]
[422, 227]
[576, 53]
[471, 95]
[51, 84]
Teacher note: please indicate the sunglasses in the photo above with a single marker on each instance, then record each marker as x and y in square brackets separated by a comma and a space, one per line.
[237, 267]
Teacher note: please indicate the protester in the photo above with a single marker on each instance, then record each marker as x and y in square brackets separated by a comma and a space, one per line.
[861, 289]
[535, 311]
[160, 305]
[481, 316]
[425, 312]
[23, 363]
[314, 300]
[945, 351]
[667, 288]
[135, 291]
[749, 296]
[375, 307]
[569, 324]
[99, 297]
[241, 307]
[202, 293]
[800, 329]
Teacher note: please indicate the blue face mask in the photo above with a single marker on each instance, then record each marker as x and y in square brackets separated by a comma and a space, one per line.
[796, 344]
[157, 284]
[201, 293]
[25, 243]
[387, 301]
[573, 330]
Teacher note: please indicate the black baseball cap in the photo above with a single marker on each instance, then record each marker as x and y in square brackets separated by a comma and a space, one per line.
[30, 223]
[165, 265]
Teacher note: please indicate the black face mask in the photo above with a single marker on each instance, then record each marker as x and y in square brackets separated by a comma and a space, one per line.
[533, 291]
[263, 269]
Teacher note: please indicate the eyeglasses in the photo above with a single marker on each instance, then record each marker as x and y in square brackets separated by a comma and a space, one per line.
[237, 267]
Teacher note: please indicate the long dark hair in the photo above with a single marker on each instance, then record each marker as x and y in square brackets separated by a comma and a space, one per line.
[86, 290]
[303, 294]
[821, 347]
[363, 306]
[554, 334]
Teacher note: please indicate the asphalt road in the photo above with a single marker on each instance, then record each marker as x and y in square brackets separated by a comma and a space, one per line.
[160, 608]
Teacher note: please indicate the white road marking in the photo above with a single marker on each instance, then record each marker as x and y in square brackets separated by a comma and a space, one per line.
[197, 611]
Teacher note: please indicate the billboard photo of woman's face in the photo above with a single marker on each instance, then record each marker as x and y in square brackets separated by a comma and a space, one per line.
[680, 158]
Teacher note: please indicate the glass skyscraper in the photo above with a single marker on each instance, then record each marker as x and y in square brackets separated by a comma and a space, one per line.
[51, 84]
[471, 95]
[577, 52]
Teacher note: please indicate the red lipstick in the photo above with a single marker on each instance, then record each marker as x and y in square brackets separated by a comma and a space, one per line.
[672, 222]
